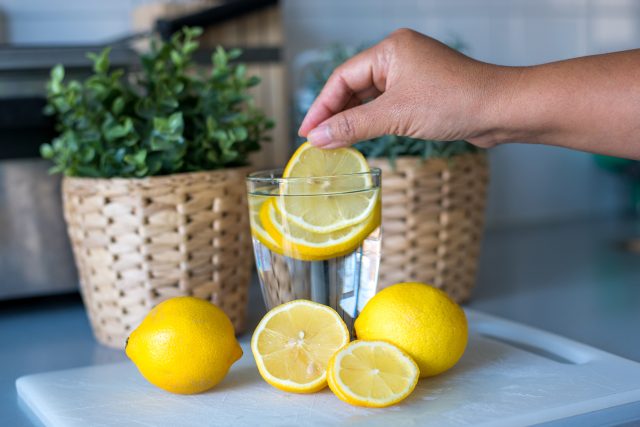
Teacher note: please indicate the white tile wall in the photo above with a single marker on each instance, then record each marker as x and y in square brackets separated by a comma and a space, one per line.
[529, 183]
[52, 22]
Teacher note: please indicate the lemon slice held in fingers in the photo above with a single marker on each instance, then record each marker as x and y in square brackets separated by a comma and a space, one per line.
[327, 190]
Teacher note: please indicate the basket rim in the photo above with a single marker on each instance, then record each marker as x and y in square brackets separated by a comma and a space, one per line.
[158, 178]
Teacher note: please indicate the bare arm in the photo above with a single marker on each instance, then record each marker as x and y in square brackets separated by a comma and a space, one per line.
[426, 90]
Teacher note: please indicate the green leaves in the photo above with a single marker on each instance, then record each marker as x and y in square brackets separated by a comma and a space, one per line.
[100, 61]
[113, 132]
[171, 118]
[46, 151]
[393, 146]
[55, 84]
[167, 132]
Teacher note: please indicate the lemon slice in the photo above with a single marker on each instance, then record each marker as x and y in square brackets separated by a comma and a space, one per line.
[341, 185]
[332, 384]
[297, 242]
[293, 343]
[257, 229]
[372, 373]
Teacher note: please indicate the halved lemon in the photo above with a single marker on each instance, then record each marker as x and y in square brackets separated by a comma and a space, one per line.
[339, 181]
[257, 229]
[299, 243]
[372, 373]
[293, 343]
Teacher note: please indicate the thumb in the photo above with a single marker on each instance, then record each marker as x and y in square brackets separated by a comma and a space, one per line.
[355, 124]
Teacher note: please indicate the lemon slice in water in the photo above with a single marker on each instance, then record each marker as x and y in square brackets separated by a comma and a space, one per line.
[297, 242]
[257, 229]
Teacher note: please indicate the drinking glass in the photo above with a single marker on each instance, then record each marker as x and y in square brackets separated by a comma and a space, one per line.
[339, 268]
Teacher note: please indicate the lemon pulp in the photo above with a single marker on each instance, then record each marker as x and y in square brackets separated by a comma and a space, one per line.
[372, 373]
[293, 343]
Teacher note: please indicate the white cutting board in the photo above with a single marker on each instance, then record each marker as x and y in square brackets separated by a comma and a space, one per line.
[510, 375]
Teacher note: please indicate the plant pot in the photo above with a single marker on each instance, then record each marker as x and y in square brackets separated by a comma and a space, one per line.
[432, 221]
[138, 242]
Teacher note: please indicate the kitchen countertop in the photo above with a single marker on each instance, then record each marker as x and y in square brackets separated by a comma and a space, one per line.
[570, 278]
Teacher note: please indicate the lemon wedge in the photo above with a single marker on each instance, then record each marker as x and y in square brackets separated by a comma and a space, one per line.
[338, 187]
[372, 373]
[299, 243]
[293, 343]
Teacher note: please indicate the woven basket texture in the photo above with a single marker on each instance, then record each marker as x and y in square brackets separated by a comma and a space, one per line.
[432, 221]
[138, 242]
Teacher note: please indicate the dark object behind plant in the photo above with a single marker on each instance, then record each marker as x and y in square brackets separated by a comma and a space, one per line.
[168, 118]
[387, 146]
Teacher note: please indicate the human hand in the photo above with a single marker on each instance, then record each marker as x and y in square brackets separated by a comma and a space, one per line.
[420, 88]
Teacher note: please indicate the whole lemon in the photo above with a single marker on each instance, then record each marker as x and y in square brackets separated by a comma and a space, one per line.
[421, 320]
[184, 345]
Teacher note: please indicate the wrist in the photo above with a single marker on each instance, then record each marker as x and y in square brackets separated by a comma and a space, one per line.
[500, 109]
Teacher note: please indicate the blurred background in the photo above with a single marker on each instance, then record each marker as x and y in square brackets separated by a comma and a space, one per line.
[562, 238]
[529, 184]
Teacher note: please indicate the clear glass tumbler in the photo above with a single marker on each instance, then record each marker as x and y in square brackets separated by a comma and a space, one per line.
[335, 264]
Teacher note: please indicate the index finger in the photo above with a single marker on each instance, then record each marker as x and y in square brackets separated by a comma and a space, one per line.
[360, 74]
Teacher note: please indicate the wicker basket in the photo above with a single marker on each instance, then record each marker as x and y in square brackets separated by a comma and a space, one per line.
[433, 217]
[138, 242]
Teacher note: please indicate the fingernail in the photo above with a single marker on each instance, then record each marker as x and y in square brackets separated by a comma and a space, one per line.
[320, 136]
[335, 144]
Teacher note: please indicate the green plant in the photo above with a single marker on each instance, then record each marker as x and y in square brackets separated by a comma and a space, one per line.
[389, 146]
[167, 117]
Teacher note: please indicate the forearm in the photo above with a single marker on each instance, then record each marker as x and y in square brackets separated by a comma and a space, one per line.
[590, 104]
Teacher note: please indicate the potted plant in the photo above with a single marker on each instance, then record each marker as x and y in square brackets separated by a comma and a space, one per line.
[433, 197]
[154, 165]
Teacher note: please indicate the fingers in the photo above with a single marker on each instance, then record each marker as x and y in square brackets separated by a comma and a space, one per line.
[353, 102]
[360, 76]
[355, 124]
